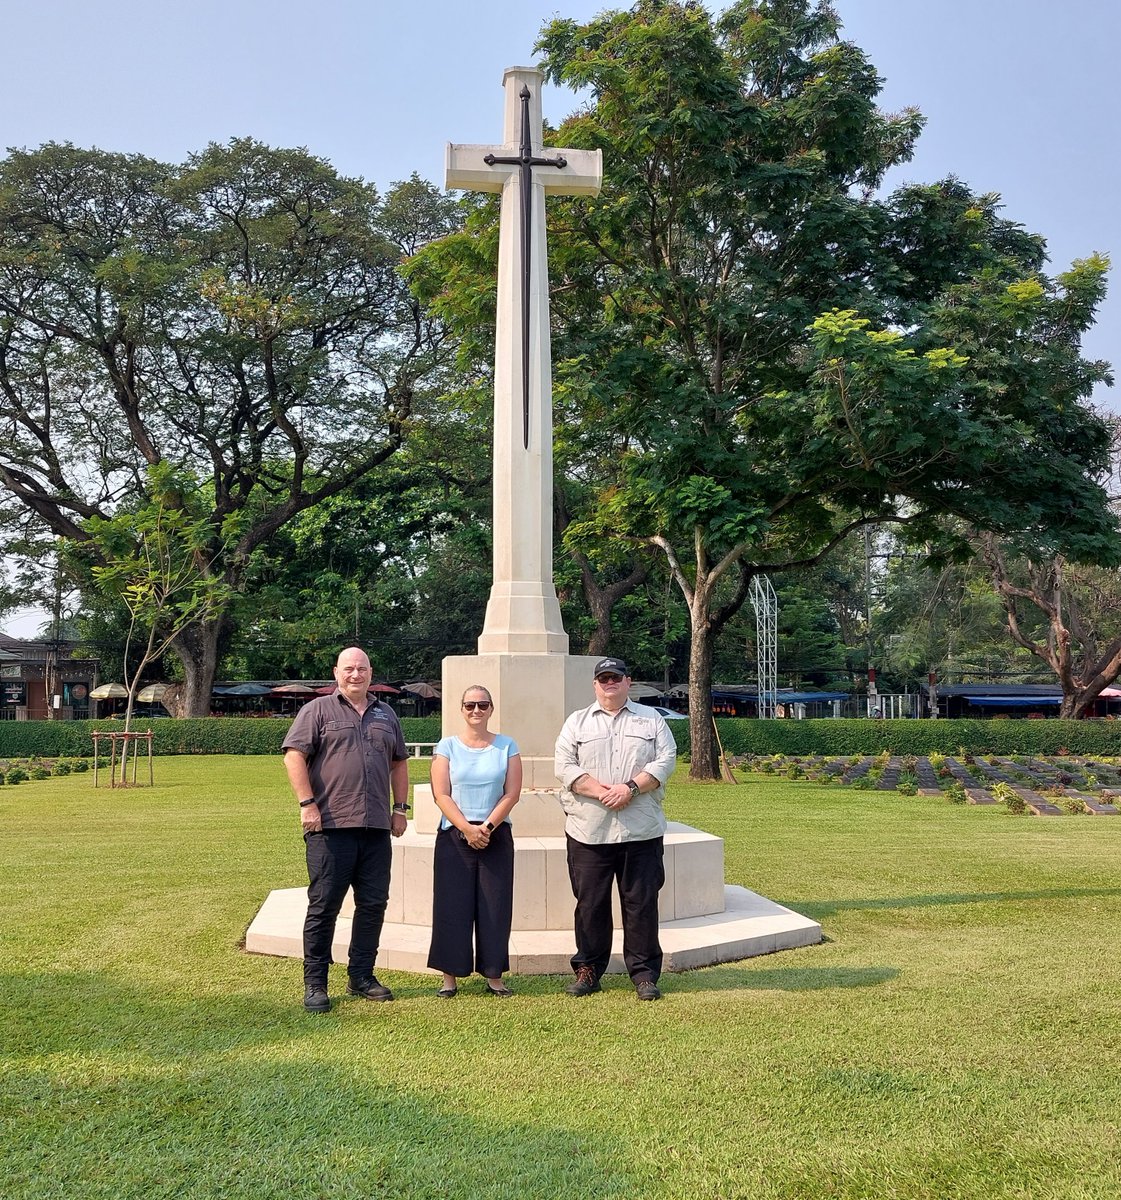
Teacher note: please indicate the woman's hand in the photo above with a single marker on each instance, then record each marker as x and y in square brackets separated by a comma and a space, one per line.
[477, 836]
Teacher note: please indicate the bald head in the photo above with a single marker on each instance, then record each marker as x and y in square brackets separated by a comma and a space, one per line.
[353, 675]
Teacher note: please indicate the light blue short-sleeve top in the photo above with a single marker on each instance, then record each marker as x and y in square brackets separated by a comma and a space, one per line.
[478, 776]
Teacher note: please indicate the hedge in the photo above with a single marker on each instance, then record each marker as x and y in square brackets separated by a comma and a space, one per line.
[844, 736]
[204, 735]
[263, 735]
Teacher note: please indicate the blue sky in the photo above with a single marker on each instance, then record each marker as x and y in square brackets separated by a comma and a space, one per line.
[1018, 94]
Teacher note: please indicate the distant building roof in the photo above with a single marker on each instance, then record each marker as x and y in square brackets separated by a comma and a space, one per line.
[1000, 689]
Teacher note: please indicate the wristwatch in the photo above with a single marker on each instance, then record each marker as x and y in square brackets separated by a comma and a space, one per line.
[634, 788]
[488, 827]
[309, 800]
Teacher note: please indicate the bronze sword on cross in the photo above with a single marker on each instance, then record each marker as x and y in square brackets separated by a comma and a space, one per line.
[526, 160]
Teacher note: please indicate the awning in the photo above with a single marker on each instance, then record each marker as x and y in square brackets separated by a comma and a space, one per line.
[1013, 701]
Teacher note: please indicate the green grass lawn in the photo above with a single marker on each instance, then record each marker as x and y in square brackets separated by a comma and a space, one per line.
[957, 1036]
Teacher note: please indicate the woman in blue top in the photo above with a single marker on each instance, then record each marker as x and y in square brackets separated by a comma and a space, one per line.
[476, 781]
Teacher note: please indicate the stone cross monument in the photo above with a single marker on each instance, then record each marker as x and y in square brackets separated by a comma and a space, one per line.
[523, 615]
[523, 649]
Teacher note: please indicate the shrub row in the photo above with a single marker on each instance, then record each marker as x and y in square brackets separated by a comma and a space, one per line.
[263, 735]
[862, 736]
[206, 735]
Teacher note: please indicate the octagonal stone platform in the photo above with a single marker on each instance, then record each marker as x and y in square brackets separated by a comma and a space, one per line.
[703, 920]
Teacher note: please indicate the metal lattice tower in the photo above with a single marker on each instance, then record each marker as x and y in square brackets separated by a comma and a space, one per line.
[765, 603]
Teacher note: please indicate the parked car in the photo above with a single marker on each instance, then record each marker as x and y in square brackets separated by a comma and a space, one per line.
[668, 713]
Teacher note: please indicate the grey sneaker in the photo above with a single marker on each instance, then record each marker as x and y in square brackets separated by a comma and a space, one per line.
[316, 999]
[368, 989]
[647, 989]
[584, 984]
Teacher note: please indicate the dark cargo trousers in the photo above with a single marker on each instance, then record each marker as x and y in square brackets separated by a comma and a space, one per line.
[638, 869]
[336, 860]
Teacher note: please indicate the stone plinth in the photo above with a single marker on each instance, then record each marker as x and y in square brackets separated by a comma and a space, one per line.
[702, 920]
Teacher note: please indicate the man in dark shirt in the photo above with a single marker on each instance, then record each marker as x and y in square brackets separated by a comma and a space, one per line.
[345, 755]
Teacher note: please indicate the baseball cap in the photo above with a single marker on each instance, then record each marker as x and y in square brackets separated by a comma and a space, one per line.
[610, 665]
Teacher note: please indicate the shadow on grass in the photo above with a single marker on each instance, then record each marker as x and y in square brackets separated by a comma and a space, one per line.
[111, 1091]
[817, 909]
[779, 979]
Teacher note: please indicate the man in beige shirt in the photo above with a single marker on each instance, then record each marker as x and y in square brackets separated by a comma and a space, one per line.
[613, 759]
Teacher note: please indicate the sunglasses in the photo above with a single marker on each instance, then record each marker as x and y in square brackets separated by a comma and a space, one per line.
[471, 705]
[609, 679]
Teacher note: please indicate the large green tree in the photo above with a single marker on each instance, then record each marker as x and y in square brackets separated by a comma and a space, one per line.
[240, 318]
[784, 356]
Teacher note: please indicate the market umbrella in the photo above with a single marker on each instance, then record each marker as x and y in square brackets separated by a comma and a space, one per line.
[109, 691]
[331, 688]
[424, 690]
[245, 689]
[292, 689]
[151, 693]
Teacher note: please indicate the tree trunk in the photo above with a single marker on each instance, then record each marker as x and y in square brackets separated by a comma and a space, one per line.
[197, 649]
[602, 600]
[704, 628]
[704, 756]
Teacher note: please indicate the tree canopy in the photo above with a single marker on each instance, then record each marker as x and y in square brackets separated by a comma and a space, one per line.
[756, 354]
[782, 354]
[240, 318]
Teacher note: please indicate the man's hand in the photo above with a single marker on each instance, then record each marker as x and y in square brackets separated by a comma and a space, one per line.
[398, 823]
[311, 819]
[617, 796]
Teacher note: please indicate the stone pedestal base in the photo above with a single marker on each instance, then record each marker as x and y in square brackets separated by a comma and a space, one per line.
[749, 925]
[702, 921]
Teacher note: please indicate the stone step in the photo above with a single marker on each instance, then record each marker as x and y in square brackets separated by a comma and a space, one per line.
[749, 925]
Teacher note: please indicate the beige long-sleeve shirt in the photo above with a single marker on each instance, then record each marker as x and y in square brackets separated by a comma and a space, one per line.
[614, 748]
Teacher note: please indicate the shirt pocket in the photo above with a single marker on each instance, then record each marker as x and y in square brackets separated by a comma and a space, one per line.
[639, 746]
[594, 743]
[338, 733]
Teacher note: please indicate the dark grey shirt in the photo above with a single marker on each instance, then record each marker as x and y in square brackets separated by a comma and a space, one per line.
[348, 758]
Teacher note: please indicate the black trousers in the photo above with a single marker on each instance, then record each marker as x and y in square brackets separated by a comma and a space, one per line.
[336, 860]
[472, 896]
[638, 869]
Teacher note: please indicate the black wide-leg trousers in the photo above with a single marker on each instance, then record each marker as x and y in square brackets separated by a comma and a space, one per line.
[336, 860]
[639, 870]
[472, 899]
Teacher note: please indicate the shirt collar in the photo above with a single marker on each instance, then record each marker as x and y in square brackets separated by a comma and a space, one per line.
[371, 701]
